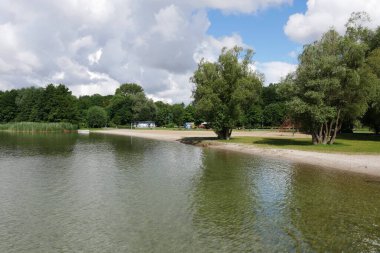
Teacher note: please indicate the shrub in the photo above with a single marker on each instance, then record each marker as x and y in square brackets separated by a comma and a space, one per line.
[96, 117]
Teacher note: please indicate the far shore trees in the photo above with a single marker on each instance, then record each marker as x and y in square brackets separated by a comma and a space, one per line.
[130, 104]
[224, 88]
[96, 117]
[55, 103]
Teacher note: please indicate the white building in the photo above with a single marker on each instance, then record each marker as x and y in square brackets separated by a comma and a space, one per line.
[189, 125]
[144, 124]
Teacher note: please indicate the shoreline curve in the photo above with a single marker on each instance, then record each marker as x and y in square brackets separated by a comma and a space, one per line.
[363, 164]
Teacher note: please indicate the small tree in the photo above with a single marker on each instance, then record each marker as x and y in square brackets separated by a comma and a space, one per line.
[224, 88]
[96, 117]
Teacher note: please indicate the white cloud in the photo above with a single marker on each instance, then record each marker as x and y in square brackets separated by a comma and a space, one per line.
[211, 47]
[323, 14]
[275, 70]
[58, 76]
[169, 22]
[95, 57]
[83, 42]
[93, 45]
[242, 6]
[14, 57]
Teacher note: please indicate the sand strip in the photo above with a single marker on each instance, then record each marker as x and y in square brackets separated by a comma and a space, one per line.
[364, 164]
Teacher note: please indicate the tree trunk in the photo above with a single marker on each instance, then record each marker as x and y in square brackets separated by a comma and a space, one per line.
[337, 128]
[319, 137]
[316, 138]
[325, 134]
[377, 130]
[224, 134]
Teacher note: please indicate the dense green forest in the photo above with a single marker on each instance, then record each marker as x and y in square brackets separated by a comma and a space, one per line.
[55, 103]
[335, 87]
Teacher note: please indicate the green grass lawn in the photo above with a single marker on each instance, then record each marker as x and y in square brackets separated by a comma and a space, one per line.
[346, 143]
[364, 130]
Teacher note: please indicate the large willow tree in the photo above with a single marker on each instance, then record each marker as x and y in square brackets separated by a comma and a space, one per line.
[224, 88]
[332, 82]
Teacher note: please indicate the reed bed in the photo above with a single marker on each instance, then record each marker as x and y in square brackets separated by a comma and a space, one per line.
[38, 127]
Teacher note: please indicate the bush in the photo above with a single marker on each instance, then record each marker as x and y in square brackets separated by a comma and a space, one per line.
[171, 125]
[96, 117]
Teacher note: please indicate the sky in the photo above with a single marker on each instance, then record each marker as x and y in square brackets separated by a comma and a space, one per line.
[93, 46]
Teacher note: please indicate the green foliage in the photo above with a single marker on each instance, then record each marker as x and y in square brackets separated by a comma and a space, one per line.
[85, 102]
[163, 115]
[253, 117]
[332, 84]
[8, 107]
[274, 114]
[174, 115]
[274, 105]
[144, 109]
[189, 115]
[120, 110]
[50, 104]
[129, 89]
[37, 127]
[96, 117]
[270, 94]
[28, 102]
[373, 39]
[130, 104]
[224, 88]
[58, 105]
[372, 116]
[178, 112]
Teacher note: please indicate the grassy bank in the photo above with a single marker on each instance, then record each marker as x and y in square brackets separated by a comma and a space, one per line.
[37, 127]
[345, 143]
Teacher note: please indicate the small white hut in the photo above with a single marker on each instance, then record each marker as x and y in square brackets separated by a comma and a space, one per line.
[144, 124]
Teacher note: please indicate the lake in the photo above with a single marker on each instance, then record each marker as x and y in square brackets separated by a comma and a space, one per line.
[100, 193]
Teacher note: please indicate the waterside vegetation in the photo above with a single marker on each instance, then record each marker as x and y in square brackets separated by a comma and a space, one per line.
[38, 127]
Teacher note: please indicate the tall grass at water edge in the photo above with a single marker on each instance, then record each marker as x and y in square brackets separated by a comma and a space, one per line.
[38, 127]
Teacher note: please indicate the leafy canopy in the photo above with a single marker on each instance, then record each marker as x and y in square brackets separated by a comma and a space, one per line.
[332, 82]
[224, 88]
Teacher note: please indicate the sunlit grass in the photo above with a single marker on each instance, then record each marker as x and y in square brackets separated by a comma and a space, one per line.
[345, 143]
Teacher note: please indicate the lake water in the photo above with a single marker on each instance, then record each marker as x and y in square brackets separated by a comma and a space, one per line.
[98, 193]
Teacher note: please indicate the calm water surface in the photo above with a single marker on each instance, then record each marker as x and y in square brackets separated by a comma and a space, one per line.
[97, 193]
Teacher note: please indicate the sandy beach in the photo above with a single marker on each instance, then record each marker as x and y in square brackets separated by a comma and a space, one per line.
[364, 164]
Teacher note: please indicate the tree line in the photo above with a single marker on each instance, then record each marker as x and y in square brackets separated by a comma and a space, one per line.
[55, 103]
